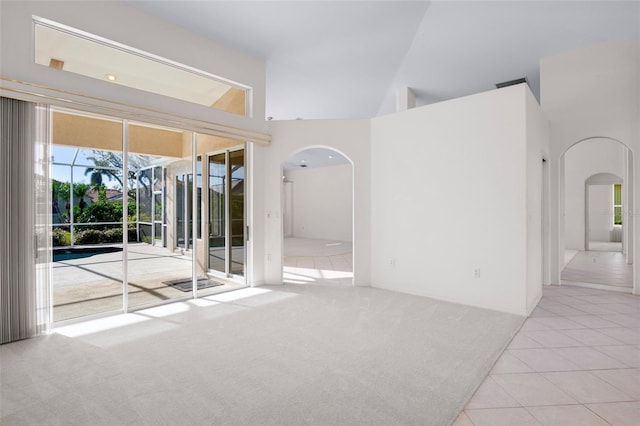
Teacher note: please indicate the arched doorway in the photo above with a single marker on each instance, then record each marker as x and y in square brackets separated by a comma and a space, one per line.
[317, 193]
[596, 239]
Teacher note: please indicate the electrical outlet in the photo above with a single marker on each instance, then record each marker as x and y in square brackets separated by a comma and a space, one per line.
[476, 272]
[268, 257]
[392, 261]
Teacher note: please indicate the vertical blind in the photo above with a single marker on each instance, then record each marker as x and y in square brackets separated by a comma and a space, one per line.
[24, 253]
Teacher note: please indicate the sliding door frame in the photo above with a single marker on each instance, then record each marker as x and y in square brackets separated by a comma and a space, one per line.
[197, 220]
[227, 273]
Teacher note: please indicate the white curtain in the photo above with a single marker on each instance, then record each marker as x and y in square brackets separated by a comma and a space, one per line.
[25, 251]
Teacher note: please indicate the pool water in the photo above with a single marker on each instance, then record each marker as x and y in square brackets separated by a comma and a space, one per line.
[60, 254]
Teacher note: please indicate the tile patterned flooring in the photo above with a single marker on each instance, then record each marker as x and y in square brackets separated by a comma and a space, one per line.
[313, 261]
[600, 267]
[337, 269]
[575, 361]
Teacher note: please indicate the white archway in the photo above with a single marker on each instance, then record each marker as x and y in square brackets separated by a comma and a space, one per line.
[317, 204]
[558, 212]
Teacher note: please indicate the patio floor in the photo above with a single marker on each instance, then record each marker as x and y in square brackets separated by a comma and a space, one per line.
[93, 285]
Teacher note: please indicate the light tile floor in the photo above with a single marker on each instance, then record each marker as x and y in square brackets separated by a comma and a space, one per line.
[313, 261]
[575, 361]
[337, 269]
[599, 267]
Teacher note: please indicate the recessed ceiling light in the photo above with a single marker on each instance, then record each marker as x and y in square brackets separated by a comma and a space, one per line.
[110, 77]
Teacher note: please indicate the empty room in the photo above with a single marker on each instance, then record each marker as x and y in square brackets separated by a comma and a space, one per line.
[319, 213]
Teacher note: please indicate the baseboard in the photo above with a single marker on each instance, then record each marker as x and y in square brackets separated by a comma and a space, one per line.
[532, 305]
[490, 307]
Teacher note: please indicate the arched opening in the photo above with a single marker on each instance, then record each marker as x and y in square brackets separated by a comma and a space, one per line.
[596, 238]
[603, 212]
[317, 194]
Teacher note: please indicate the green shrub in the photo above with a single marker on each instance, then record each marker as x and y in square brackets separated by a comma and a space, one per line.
[100, 236]
[60, 237]
[89, 236]
[102, 211]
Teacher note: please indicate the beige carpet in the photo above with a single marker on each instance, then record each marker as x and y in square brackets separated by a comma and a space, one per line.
[279, 355]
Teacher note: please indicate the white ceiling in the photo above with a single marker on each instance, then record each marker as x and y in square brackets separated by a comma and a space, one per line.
[346, 59]
[314, 158]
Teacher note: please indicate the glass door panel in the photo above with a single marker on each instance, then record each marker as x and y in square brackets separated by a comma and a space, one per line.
[180, 213]
[156, 271]
[184, 208]
[217, 212]
[144, 228]
[236, 161]
[87, 205]
[189, 211]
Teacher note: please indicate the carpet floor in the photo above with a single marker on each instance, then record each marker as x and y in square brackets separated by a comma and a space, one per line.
[273, 355]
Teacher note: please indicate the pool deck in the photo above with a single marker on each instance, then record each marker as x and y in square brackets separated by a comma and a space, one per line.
[93, 285]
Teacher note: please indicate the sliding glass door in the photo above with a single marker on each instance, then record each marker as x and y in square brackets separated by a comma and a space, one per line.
[183, 206]
[236, 212]
[226, 242]
[149, 192]
[218, 213]
[136, 221]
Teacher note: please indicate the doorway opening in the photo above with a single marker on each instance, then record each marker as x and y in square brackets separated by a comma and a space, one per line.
[597, 233]
[318, 217]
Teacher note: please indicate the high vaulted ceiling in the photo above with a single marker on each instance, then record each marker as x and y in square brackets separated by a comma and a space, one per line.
[347, 59]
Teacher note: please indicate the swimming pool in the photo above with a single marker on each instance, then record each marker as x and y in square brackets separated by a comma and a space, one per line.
[69, 253]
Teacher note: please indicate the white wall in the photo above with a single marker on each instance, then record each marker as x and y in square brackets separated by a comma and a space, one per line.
[124, 24]
[589, 93]
[349, 137]
[449, 196]
[537, 141]
[322, 202]
[580, 163]
[600, 212]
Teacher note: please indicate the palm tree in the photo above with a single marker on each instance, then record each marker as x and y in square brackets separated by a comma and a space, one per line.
[60, 193]
[96, 177]
[80, 193]
[109, 164]
[103, 159]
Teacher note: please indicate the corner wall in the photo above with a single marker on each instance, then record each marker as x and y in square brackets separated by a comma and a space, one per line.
[449, 197]
[537, 141]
